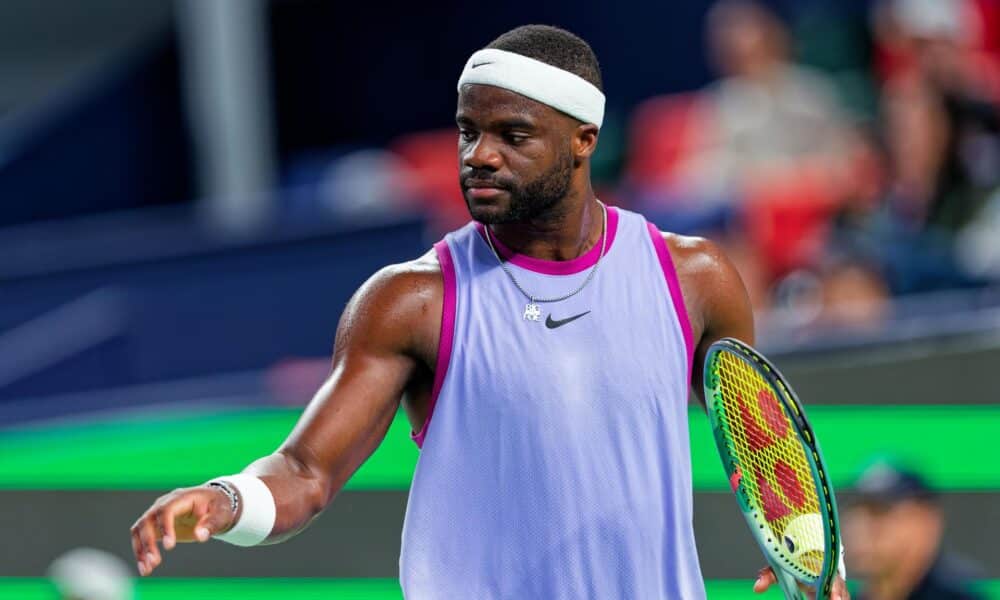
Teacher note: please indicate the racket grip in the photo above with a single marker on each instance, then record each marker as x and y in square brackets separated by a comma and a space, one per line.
[789, 586]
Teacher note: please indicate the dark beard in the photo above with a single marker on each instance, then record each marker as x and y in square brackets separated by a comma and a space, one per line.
[539, 200]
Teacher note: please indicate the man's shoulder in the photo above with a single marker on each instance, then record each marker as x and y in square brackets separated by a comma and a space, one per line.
[712, 288]
[398, 307]
[706, 274]
[407, 281]
[694, 255]
[424, 265]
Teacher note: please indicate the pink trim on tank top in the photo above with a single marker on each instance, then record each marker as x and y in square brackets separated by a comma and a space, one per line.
[447, 335]
[557, 267]
[674, 284]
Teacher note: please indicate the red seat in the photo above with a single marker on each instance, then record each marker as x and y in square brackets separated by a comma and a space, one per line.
[433, 156]
[787, 219]
[663, 133]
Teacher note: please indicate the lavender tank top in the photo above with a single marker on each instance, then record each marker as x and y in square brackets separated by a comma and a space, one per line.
[556, 462]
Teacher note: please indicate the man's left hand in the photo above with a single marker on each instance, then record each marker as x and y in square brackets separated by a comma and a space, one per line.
[766, 578]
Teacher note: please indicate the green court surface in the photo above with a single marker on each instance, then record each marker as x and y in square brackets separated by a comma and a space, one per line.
[159, 451]
[318, 589]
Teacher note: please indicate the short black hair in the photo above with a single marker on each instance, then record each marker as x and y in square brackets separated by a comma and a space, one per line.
[553, 46]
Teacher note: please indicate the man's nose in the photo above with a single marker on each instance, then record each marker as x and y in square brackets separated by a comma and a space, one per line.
[482, 154]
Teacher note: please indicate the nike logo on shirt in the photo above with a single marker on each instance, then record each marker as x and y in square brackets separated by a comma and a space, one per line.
[554, 323]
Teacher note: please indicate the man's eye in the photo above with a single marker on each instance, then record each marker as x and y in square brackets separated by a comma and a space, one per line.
[466, 135]
[516, 138]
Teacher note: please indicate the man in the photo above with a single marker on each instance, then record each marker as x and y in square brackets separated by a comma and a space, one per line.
[894, 536]
[543, 354]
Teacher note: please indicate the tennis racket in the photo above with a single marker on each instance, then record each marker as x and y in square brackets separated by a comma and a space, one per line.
[774, 467]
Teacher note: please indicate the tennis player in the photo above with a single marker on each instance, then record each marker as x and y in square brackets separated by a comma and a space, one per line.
[543, 353]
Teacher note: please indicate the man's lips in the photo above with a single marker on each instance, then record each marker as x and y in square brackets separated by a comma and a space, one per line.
[484, 192]
[482, 189]
[480, 183]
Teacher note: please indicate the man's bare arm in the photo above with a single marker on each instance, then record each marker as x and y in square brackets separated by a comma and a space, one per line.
[375, 354]
[716, 299]
[383, 336]
[718, 306]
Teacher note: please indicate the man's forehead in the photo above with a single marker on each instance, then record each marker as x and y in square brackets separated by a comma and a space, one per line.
[480, 102]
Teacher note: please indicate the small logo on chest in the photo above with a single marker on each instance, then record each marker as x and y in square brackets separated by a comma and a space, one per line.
[556, 323]
[532, 312]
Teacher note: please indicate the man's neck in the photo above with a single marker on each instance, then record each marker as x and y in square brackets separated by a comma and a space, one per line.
[565, 237]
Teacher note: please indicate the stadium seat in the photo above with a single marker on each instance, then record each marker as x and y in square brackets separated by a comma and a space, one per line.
[664, 131]
[787, 218]
[433, 159]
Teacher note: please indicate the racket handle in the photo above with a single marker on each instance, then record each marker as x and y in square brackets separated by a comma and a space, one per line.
[789, 586]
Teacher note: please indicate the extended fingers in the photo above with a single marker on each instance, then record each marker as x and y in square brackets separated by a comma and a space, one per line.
[157, 522]
[137, 549]
[839, 591]
[144, 535]
[765, 579]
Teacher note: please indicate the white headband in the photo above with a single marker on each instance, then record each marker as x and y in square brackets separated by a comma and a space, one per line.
[539, 81]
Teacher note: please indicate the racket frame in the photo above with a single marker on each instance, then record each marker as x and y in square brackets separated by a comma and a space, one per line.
[787, 578]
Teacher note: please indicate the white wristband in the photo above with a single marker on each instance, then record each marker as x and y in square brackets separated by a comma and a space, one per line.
[258, 516]
[841, 569]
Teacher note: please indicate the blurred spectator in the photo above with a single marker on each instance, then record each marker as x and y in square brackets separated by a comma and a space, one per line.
[762, 156]
[941, 121]
[366, 182]
[90, 574]
[892, 536]
[348, 183]
[941, 133]
[829, 217]
[769, 115]
[978, 244]
[433, 161]
[854, 294]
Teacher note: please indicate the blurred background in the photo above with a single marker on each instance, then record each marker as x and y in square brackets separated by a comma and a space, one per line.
[190, 190]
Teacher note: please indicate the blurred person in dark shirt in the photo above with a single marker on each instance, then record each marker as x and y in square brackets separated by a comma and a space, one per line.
[940, 111]
[892, 536]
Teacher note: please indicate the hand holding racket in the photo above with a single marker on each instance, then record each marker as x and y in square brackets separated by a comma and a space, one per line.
[775, 469]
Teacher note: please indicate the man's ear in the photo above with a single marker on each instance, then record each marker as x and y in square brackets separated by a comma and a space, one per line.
[584, 141]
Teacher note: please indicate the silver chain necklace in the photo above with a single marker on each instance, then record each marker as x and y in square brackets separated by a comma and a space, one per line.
[532, 312]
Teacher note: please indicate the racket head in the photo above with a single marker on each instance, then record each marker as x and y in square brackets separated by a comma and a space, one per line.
[774, 465]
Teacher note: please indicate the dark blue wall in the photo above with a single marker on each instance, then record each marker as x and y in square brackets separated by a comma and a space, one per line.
[116, 140]
[372, 70]
[207, 311]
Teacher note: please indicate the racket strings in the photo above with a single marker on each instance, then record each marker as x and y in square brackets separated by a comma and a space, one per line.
[773, 469]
